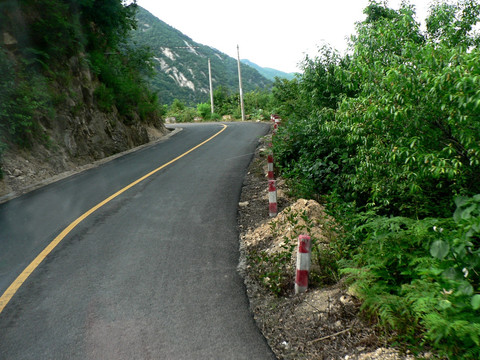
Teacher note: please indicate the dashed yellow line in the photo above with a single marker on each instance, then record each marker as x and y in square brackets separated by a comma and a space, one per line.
[13, 288]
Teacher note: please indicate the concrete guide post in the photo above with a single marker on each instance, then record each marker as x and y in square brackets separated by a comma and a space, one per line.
[270, 174]
[272, 198]
[303, 264]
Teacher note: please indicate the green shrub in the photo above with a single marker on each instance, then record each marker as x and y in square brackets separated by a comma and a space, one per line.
[123, 85]
[389, 137]
[204, 111]
[215, 117]
[105, 98]
[187, 115]
[393, 126]
[423, 277]
[23, 95]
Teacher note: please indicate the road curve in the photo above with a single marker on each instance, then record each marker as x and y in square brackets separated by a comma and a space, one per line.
[149, 275]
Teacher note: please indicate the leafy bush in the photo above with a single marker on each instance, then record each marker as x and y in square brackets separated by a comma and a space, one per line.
[389, 137]
[105, 98]
[258, 104]
[204, 110]
[123, 85]
[400, 135]
[181, 112]
[23, 95]
[421, 276]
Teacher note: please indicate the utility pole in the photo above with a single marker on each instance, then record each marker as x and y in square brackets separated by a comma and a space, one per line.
[240, 84]
[211, 87]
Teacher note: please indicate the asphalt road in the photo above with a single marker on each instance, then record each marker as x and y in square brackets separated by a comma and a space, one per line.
[149, 275]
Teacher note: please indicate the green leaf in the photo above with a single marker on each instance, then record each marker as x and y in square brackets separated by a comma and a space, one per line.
[439, 249]
[451, 274]
[465, 289]
[476, 302]
[444, 304]
[461, 200]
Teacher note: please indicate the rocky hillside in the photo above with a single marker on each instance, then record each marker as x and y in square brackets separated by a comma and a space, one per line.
[78, 133]
[181, 64]
[69, 93]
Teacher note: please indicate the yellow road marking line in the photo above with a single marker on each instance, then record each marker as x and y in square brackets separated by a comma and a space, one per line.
[13, 288]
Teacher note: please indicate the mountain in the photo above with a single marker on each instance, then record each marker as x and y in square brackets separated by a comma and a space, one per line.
[269, 73]
[182, 64]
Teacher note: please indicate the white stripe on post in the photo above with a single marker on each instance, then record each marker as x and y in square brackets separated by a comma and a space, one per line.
[272, 198]
[303, 264]
[277, 121]
[271, 175]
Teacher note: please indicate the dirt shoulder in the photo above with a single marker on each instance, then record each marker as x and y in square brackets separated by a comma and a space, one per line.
[324, 322]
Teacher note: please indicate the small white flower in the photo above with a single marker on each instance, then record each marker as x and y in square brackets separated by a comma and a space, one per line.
[465, 272]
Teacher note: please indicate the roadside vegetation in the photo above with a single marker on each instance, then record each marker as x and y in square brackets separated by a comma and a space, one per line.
[388, 138]
[36, 68]
[258, 104]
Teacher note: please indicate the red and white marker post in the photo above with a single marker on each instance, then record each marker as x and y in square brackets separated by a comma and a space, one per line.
[272, 188]
[276, 124]
[303, 264]
[272, 198]
[270, 173]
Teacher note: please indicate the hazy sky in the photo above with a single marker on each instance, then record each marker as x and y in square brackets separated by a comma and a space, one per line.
[271, 33]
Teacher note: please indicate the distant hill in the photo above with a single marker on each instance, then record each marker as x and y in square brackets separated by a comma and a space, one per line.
[269, 73]
[182, 64]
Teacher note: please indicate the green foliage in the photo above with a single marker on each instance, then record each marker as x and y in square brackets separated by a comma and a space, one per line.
[453, 24]
[321, 86]
[105, 98]
[275, 269]
[123, 85]
[257, 106]
[287, 101]
[49, 42]
[394, 123]
[389, 137]
[23, 96]
[225, 103]
[204, 110]
[122, 67]
[257, 103]
[109, 22]
[181, 112]
[424, 276]
[47, 39]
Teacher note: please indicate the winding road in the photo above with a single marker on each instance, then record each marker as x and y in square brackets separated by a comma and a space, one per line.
[134, 259]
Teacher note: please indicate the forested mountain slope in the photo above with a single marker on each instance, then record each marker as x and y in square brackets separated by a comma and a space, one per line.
[181, 64]
[269, 73]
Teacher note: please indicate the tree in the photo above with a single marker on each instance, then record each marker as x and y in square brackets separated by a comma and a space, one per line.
[389, 137]
[109, 21]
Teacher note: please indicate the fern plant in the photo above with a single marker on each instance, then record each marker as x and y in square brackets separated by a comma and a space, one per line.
[420, 279]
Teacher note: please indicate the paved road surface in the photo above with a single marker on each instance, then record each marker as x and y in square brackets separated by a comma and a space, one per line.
[151, 274]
